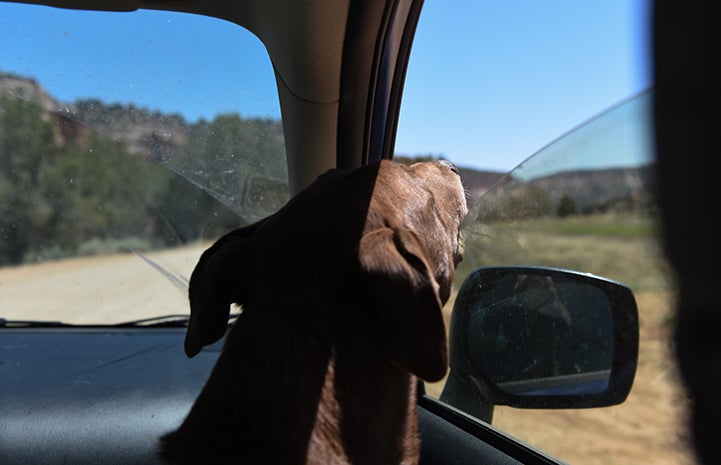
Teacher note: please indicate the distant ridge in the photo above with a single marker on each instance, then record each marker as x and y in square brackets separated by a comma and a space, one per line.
[157, 136]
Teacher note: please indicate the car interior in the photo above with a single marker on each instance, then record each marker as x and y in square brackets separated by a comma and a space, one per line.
[76, 390]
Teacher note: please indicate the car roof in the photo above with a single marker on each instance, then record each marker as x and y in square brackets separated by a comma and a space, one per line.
[336, 112]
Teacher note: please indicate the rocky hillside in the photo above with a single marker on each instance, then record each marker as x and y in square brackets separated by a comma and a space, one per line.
[569, 193]
[77, 174]
[601, 188]
[29, 90]
[161, 137]
[142, 132]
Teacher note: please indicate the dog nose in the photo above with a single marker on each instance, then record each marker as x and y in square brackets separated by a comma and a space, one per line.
[449, 165]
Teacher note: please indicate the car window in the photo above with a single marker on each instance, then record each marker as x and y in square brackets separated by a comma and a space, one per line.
[126, 147]
[584, 201]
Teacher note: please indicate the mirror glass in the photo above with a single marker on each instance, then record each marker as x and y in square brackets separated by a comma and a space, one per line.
[539, 334]
[531, 333]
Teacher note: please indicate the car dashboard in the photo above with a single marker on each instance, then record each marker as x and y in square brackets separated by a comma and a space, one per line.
[106, 395]
[94, 395]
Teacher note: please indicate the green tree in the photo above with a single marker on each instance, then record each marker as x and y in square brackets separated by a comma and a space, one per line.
[529, 202]
[60, 193]
[237, 161]
[25, 142]
[566, 206]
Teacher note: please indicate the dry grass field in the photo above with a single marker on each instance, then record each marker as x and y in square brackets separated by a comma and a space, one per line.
[648, 428]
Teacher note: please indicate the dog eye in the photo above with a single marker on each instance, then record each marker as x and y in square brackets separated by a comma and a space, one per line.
[449, 165]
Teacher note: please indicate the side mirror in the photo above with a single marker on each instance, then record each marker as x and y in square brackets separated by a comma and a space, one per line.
[531, 337]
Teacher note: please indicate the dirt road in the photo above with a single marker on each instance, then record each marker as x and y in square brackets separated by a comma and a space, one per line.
[102, 290]
[649, 427]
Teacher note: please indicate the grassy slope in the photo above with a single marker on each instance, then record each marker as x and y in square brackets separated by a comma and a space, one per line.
[647, 428]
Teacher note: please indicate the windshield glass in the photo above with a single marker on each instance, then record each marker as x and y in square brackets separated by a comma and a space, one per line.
[128, 143]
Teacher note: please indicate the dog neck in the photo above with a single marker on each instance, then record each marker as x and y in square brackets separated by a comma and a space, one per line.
[362, 418]
[290, 393]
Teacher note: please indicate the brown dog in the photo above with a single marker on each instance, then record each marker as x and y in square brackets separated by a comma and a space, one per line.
[341, 292]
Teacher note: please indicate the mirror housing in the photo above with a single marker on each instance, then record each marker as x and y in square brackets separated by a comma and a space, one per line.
[541, 338]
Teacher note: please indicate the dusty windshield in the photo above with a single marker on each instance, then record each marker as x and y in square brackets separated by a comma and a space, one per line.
[128, 143]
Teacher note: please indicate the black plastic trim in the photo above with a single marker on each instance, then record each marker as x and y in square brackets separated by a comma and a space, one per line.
[507, 445]
[399, 77]
[372, 78]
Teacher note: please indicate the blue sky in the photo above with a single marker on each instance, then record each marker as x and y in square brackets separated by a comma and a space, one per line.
[489, 83]
[154, 59]
[499, 80]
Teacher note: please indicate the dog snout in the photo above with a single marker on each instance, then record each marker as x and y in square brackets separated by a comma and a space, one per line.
[450, 166]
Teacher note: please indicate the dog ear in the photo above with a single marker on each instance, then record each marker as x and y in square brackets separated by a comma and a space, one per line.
[218, 280]
[406, 296]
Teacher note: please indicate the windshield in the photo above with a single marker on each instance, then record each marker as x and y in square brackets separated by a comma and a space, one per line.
[124, 154]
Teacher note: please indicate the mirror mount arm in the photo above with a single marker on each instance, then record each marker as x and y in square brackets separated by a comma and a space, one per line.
[458, 394]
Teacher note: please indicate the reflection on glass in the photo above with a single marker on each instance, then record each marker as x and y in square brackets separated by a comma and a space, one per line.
[619, 138]
[576, 203]
[531, 334]
[537, 333]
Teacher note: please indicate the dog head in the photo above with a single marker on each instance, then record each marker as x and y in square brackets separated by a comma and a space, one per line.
[408, 254]
[385, 234]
